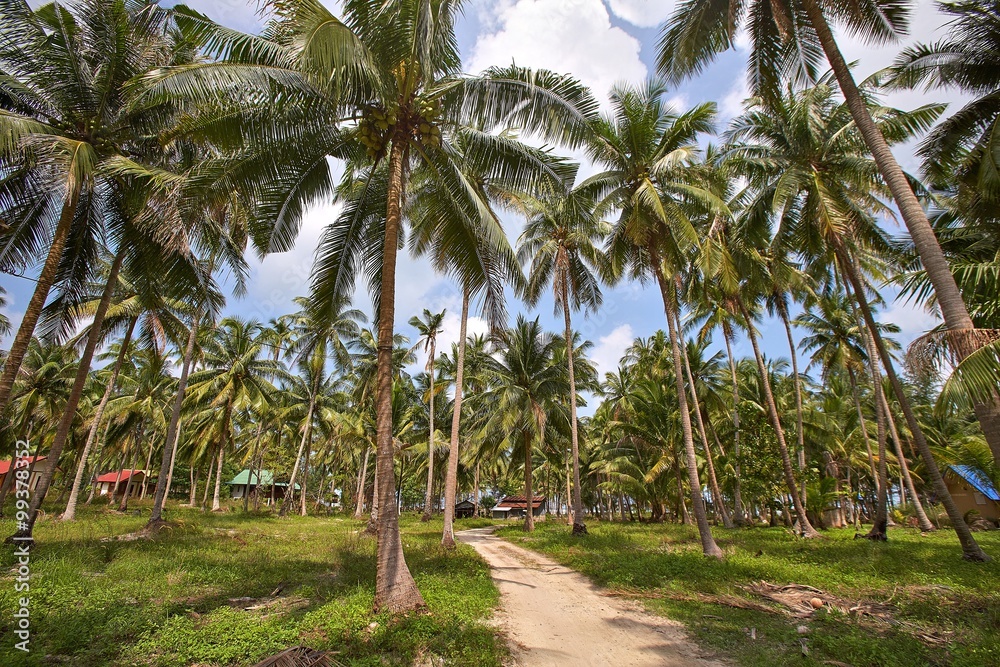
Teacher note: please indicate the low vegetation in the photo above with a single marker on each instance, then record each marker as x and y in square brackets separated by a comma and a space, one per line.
[908, 601]
[231, 589]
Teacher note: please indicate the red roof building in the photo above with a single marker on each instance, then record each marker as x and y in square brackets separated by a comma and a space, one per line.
[116, 482]
[30, 463]
[515, 506]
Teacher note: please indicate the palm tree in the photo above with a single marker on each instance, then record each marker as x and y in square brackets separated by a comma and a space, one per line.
[962, 149]
[560, 244]
[526, 384]
[69, 134]
[429, 327]
[804, 160]
[236, 376]
[397, 91]
[788, 38]
[649, 152]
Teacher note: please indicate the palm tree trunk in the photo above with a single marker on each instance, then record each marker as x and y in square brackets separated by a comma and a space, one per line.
[451, 479]
[805, 528]
[737, 491]
[949, 297]
[668, 294]
[708, 545]
[305, 473]
[208, 483]
[69, 410]
[145, 471]
[881, 523]
[720, 503]
[170, 444]
[970, 548]
[862, 425]
[216, 501]
[430, 435]
[529, 492]
[923, 522]
[195, 474]
[783, 313]
[395, 590]
[286, 502]
[95, 426]
[47, 277]
[359, 508]
[579, 527]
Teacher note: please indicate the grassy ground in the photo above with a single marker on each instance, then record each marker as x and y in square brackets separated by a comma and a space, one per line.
[943, 611]
[176, 600]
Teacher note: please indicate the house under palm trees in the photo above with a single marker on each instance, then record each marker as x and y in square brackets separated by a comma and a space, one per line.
[252, 482]
[973, 492]
[512, 507]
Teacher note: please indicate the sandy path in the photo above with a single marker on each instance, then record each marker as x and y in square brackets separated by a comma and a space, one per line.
[556, 617]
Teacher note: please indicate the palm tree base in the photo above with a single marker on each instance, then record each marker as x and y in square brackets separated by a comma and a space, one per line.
[426, 517]
[579, 529]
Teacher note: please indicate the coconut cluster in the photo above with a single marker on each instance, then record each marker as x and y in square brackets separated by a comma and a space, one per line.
[378, 125]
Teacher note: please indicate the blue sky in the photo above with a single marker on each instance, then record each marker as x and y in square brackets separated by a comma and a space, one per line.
[601, 42]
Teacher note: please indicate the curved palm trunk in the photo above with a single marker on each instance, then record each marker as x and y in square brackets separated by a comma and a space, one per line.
[783, 313]
[737, 490]
[286, 503]
[428, 507]
[451, 479]
[720, 503]
[47, 277]
[74, 494]
[862, 424]
[953, 309]
[805, 528]
[970, 548]
[170, 444]
[923, 522]
[395, 590]
[579, 527]
[708, 545]
[69, 410]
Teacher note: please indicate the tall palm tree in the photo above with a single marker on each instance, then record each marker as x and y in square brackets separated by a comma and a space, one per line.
[963, 149]
[69, 134]
[526, 385]
[428, 328]
[648, 152]
[804, 161]
[397, 94]
[560, 244]
[787, 39]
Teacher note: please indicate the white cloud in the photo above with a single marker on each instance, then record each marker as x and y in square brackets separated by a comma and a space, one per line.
[642, 13]
[731, 105]
[610, 348]
[565, 36]
[912, 320]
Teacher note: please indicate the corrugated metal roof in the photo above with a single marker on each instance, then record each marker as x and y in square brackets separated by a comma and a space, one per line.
[978, 479]
[266, 479]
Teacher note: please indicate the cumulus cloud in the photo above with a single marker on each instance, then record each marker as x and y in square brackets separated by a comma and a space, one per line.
[642, 13]
[610, 349]
[912, 320]
[566, 36]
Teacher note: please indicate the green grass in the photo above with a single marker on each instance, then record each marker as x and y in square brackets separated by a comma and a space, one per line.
[932, 591]
[172, 601]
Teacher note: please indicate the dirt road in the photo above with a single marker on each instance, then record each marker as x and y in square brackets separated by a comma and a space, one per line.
[555, 617]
